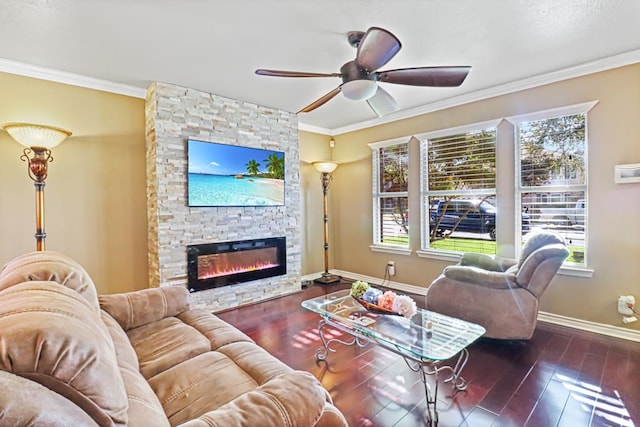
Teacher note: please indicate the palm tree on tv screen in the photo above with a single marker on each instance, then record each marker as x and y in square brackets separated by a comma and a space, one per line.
[253, 167]
[275, 165]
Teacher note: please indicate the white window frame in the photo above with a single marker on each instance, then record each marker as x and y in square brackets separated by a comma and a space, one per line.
[426, 251]
[569, 268]
[377, 245]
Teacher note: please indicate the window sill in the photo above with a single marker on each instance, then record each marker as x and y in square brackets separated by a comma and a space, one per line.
[440, 255]
[396, 250]
[455, 257]
[576, 271]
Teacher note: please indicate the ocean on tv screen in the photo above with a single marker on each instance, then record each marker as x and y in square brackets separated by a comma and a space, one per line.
[234, 190]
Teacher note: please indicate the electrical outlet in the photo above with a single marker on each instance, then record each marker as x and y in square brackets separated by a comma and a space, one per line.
[626, 303]
[391, 268]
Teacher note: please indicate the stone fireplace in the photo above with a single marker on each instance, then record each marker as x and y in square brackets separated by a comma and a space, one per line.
[174, 114]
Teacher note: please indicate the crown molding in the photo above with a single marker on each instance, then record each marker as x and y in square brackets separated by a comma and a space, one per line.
[615, 61]
[603, 64]
[315, 129]
[28, 70]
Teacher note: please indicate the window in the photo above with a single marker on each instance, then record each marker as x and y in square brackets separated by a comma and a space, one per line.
[391, 193]
[468, 205]
[458, 168]
[552, 174]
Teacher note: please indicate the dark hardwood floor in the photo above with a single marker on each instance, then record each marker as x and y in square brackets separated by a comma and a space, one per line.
[561, 377]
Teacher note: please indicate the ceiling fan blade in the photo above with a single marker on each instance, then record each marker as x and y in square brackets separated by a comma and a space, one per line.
[426, 76]
[281, 73]
[382, 103]
[376, 48]
[321, 101]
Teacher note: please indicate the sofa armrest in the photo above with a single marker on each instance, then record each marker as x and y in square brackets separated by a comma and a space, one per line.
[291, 399]
[478, 276]
[134, 309]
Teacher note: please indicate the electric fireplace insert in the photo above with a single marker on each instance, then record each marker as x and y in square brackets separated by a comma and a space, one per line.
[212, 265]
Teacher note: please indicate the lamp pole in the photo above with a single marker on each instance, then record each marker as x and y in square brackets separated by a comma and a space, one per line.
[38, 140]
[325, 169]
[37, 159]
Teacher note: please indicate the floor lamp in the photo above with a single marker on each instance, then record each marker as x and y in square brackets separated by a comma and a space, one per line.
[325, 169]
[38, 141]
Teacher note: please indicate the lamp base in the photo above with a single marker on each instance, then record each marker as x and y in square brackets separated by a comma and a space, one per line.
[327, 278]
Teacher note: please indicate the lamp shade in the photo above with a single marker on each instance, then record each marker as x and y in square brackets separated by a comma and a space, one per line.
[359, 90]
[325, 166]
[31, 135]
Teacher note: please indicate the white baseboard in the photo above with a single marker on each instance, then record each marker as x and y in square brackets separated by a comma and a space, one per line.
[556, 319]
[585, 325]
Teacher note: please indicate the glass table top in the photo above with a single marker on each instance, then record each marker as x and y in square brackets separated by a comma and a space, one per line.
[447, 336]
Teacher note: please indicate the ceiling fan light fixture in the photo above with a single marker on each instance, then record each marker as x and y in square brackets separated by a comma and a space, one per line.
[359, 90]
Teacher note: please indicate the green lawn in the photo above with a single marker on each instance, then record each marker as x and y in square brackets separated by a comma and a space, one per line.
[451, 244]
[466, 245]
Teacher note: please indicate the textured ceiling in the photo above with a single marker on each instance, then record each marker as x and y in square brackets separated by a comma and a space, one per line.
[215, 46]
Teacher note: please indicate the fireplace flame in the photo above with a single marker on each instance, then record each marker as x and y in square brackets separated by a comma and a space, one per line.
[212, 272]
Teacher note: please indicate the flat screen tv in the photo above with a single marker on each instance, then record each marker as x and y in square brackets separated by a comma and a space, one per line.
[231, 175]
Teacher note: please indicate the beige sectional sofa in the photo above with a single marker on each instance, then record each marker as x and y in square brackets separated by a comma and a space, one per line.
[69, 357]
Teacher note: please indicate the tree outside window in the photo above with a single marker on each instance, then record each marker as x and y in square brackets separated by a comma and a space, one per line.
[553, 176]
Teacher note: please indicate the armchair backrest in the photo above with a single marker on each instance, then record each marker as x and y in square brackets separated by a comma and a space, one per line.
[537, 240]
[541, 258]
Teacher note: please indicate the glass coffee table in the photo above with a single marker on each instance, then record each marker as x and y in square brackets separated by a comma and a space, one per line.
[424, 341]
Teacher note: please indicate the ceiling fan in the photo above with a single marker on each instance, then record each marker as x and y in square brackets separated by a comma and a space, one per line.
[360, 77]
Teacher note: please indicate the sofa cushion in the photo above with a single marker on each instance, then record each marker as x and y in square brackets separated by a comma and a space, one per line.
[289, 400]
[213, 379]
[196, 362]
[53, 336]
[164, 344]
[215, 330]
[49, 266]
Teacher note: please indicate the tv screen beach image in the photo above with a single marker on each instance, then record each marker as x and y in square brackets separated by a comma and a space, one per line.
[230, 175]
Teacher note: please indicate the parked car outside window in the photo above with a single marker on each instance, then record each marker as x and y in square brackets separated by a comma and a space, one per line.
[468, 215]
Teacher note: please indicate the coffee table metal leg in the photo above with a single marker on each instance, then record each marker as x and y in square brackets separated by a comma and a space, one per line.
[323, 352]
[428, 368]
[459, 383]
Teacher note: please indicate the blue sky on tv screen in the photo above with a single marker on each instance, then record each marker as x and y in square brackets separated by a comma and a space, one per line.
[223, 159]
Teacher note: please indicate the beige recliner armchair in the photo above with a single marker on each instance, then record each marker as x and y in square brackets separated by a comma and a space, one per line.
[500, 294]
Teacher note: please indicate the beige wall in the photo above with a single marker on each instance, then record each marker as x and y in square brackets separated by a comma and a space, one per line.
[614, 232]
[95, 192]
[96, 204]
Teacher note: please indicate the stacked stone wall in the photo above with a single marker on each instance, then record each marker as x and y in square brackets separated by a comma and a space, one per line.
[174, 114]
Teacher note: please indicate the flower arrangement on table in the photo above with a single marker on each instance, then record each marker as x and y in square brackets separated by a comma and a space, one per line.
[388, 302]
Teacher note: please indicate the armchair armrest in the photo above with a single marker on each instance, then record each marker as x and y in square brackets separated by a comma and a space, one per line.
[480, 277]
[506, 263]
[483, 261]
